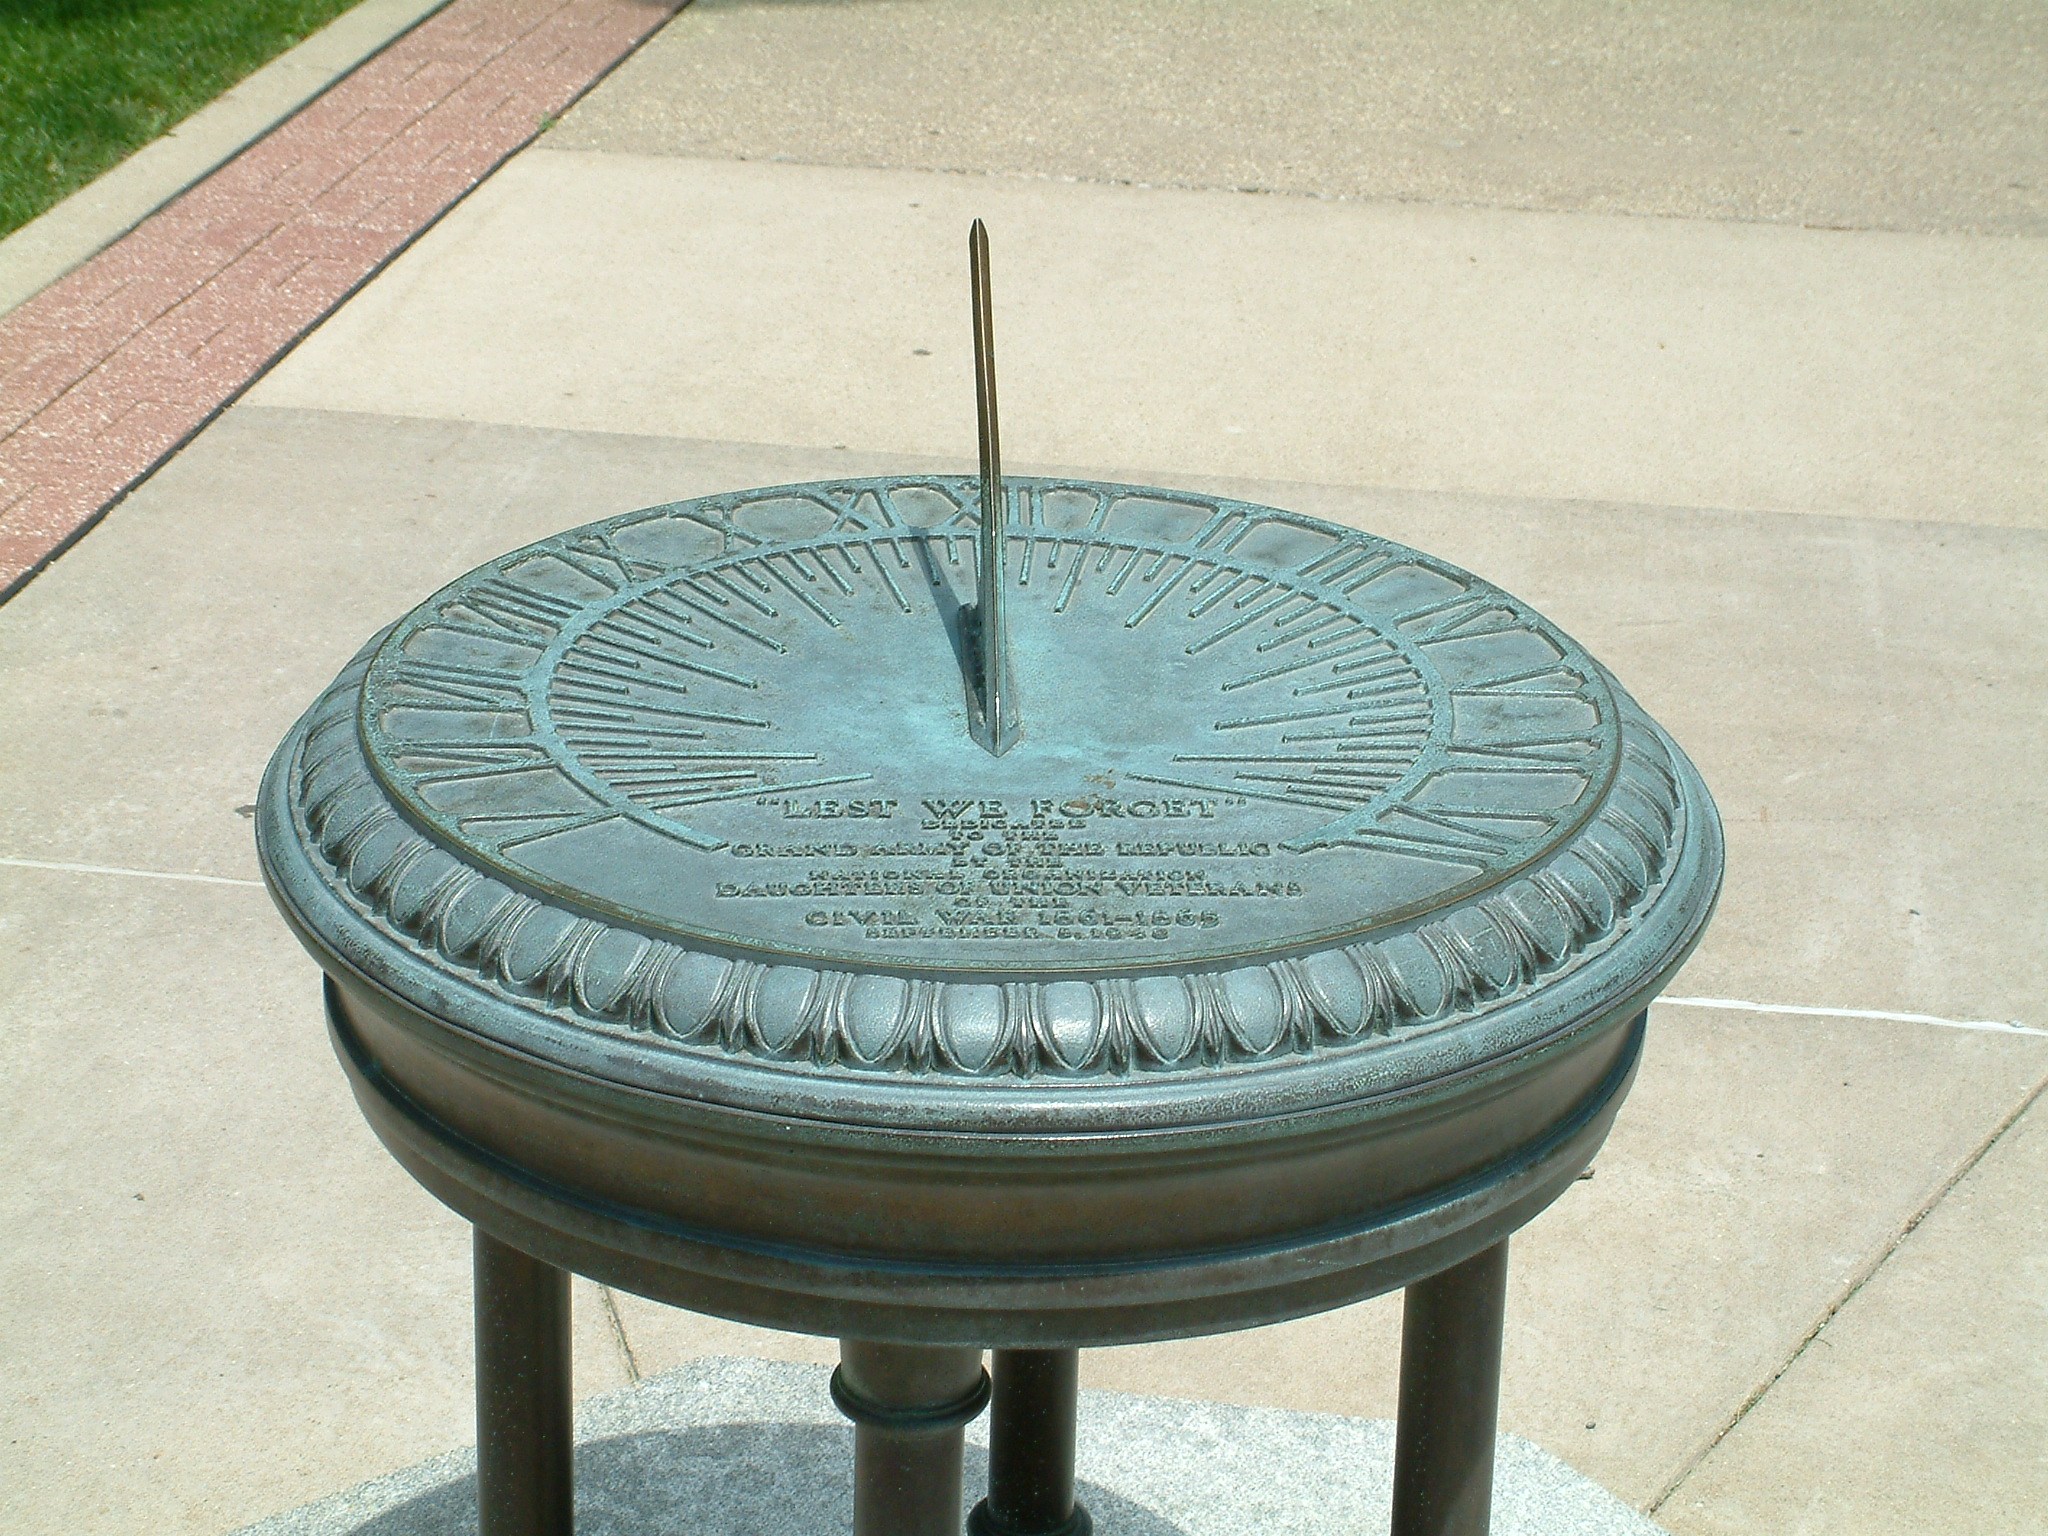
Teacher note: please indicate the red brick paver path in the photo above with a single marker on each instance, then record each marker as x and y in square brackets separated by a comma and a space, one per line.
[109, 370]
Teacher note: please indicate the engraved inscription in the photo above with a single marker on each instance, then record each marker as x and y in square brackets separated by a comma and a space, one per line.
[1046, 870]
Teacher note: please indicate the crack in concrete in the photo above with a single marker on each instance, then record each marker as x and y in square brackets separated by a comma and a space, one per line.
[618, 1323]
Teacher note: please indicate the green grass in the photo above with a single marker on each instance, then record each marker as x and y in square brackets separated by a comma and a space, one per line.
[84, 83]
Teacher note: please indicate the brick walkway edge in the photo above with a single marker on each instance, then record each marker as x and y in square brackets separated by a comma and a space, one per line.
[109, 370]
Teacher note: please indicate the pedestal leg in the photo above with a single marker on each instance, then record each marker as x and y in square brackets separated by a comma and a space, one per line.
[524, 1443]
[1031, 1447]
[908, 1403]
[1450, 1397]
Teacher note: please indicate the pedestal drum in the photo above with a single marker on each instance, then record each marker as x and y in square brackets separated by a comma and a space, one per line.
[954, 915]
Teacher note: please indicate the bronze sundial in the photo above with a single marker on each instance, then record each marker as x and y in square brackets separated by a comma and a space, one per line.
[1028, 913]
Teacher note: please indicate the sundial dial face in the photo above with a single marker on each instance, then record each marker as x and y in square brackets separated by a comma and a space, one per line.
[741, 722]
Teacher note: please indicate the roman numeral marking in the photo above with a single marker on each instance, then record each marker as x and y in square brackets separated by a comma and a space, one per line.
[445, 685]
[1443, 837]
[455, 762]
[594, 555]
[508, 830]
[497, 608]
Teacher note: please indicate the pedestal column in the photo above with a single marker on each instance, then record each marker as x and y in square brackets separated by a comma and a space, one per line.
[1450, 1398]
[524, 1440]
[909, 1404]
[1031, 1447]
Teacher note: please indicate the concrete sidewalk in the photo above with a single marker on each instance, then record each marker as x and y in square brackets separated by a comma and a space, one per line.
[1787, 481]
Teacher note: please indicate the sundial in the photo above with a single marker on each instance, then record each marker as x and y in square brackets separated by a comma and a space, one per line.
[962, 911]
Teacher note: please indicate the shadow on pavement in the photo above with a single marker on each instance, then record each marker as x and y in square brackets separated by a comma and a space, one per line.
[721, 1480]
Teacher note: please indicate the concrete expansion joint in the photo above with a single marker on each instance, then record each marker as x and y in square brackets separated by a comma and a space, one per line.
[617, 1324]
[1848, 1293]
[64, 867]
[1390, 200]
[1886, 1015]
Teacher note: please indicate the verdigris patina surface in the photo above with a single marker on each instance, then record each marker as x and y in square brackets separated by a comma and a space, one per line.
[703, 773]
